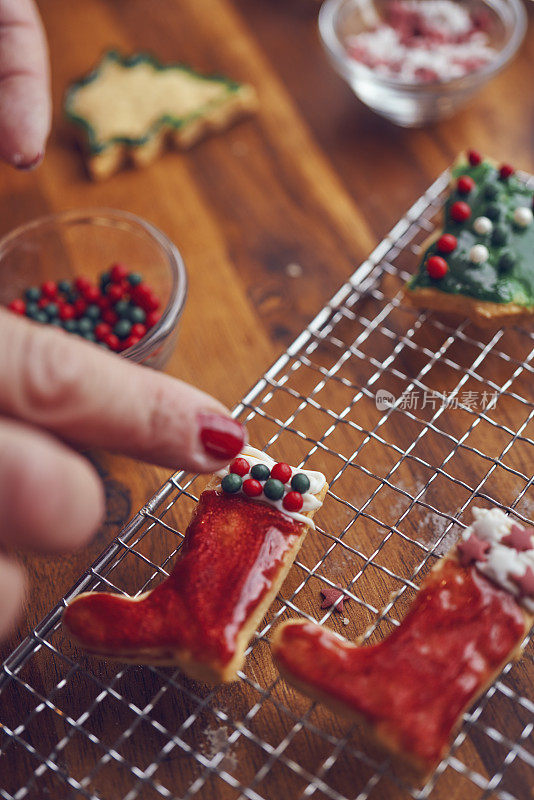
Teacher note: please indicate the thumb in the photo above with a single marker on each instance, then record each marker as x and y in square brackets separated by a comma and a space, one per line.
[24, 84]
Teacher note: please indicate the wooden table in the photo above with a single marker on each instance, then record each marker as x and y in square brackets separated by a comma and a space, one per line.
[314, 180]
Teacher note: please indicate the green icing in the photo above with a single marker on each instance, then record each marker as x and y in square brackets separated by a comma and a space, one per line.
[94, 144]
[508, 274]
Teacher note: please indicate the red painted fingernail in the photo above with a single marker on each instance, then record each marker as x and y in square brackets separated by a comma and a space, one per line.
[221, 437]
[28, 165]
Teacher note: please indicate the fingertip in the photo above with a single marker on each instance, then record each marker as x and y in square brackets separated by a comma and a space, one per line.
[12, 592]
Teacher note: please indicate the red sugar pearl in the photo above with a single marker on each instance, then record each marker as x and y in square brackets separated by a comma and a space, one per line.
[82, 283]
[152, 318]
[49, 289]
[18, 306]
[437, 267]
[102, 330]
[129, 341]
[43, 302]
[114, 292]
[447, 243]
[465, 184]
[505, 171]
[240, 466]
[474, 157]
[112, 342]
[110, 316]
[252, 487]
[281, 472]
[138, 330]
[145, 297]
[91, 294]
[293, 501]
[66, 312]
[118, 272]
[103, 303]
[460, 211]
[80, 307]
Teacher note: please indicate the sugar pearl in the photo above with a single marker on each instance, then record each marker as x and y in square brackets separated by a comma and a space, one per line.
[478, 254]
[483, 225]
[523, 216]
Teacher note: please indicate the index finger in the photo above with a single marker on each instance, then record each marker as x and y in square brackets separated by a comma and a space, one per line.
[25, 110]
[74, 389]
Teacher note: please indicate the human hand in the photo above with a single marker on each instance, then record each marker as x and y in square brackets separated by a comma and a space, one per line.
[25, 107]
[54, 389]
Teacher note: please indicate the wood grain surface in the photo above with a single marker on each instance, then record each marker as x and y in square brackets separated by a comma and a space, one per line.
[271, 216]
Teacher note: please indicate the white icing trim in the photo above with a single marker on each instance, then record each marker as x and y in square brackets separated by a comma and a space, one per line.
[492, 525]
[310, 502]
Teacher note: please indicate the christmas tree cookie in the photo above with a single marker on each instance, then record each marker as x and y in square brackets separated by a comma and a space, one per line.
[481, 264]
[245, 533]
[469, 619]
[130, 108]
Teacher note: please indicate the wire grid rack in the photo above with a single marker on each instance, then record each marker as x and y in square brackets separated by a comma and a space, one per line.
[414, 420]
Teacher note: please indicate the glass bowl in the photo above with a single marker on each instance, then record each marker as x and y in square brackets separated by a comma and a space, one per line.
[410, 104]
[86, 242]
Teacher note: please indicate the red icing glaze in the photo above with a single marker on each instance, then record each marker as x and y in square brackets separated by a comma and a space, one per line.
[232, 552]
[413, 686]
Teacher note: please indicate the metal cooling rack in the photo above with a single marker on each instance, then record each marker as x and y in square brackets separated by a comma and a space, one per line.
[403, 482]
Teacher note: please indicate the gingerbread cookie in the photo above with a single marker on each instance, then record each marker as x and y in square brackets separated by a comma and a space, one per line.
[242, 539]
[481, 264]
[468, 620]
[129, 108]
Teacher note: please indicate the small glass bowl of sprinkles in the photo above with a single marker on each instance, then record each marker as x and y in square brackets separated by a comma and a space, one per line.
[104, 275]
[417, 61]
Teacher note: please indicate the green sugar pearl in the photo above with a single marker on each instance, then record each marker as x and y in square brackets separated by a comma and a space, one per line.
[85, 325]
[300, 483]
[136, 314]
[506, 261]
[493, 211]
[64, 286]
[33, 294]
[273, 489]
[491, 191]
[231, 483]
[92, 312]
[122, 307]
[134, 279]
[122, 328]
[499, 236]
[51, 310]
[260, 472]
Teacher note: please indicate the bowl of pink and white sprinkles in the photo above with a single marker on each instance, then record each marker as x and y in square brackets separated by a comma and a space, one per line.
[417, 61]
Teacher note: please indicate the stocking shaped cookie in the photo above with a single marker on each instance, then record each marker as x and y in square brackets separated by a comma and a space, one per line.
[481, 263]
[468, 620]
[242, 539]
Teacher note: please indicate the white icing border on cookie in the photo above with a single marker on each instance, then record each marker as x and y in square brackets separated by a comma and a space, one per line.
[310, 502]
[492, 525]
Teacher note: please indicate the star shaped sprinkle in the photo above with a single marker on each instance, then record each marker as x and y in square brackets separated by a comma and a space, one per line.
[331, 594]
[525, 583]
[472, 549]
[519, 538]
